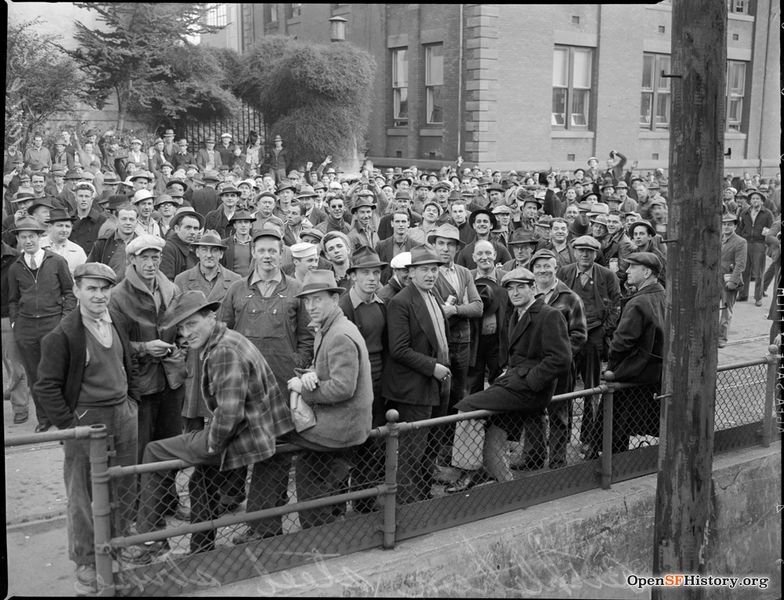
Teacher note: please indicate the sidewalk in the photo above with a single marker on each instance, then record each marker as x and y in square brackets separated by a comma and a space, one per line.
[35, 501]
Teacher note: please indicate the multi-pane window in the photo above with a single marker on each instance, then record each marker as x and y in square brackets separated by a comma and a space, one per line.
[293, 11]
[217, 16]
[572, 76]
[739, 6]
[400, 86]
[736, 86]
[655, 94]
[434, 82]
[270, 13]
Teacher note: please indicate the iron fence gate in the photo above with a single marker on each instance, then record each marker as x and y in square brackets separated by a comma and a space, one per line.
[246, 120]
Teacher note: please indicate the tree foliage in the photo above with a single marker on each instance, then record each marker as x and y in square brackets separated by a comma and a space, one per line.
[317, 97]
[141, 54]
[40, 80]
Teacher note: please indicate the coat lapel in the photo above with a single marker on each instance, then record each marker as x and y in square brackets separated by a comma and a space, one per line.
[422, 315]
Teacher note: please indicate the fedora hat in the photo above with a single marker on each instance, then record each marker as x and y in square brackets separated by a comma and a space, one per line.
[174, 180]
[631, 227]
[40, 202]
[59, 214]
[483, 211]
[424, 254]
[115, 201]
[599, 220]
[186, 211]
[164, 198]
[319, 280]
[210, 176]
[729, 217]
[306, 192]
[186, 304]
[447, 231]
[210, 238]
[365, 258]
[23, 195]
[142, 195]
[241, 215]
[521, 236]
[110, 178]
[28, 224]
[599, 208]
[362, 202]
[140, 175]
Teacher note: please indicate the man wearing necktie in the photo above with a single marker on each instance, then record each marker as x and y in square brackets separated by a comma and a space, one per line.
[417, 367]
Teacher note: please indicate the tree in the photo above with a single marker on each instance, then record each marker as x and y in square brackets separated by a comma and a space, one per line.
[40, 80]
[317, 97]
[126, 56]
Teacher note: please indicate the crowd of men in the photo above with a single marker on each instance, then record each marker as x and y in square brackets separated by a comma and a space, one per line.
[225, 290]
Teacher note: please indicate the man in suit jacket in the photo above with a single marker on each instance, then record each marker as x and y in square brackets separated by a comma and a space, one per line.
[539, 354]
[733, 263]
[636, 353]
[417, 367]
[396, 243]
[248, 412]
[208, 158]
[178, 254]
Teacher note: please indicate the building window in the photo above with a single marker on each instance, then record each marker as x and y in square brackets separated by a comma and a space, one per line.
[217, 16]
[434, 83]
[736, 86]
[270, 14]
[655, 95]
[293, 11]
[400, 86]
[572, 75]
[739, 7]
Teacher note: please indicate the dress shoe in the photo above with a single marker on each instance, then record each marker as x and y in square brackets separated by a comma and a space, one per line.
[144, 554]
[42, 427]
[758, 302]
[86, 580]
[463, 483]
[19, 419]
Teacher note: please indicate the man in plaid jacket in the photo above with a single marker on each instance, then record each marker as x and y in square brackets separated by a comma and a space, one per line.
[248, 412]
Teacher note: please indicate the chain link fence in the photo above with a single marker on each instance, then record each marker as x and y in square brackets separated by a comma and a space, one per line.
[192, 527]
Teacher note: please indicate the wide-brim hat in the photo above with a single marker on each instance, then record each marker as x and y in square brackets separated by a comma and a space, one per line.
[319, 280]
[210, 238]
[424, 254]
[241, 215]
[447, 231]
[186, 211]
[399, 179]
[483, 211]
[164, 198]
[60, 214]
[646, 259]
[28, 224]
[285, 185]
[22, 195]
[141, 175]
[750, 193]
[728, 217]
[115, 201]
[187, 304]
[365, 258]
[210, 176]
[645, 224]
[522, 236]
[40, 202]
[363, 201]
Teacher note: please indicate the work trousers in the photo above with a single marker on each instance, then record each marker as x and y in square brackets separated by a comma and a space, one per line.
[415, 462]
[726, 310]
[486, 361]
[15, 386]
[588, 363]
[28, 334]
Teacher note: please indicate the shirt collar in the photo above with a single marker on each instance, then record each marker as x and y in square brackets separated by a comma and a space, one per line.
[356, 301]
[254, 278]
[104, 318]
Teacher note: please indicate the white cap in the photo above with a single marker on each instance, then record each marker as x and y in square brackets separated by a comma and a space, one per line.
[401, 261]
[303, 250]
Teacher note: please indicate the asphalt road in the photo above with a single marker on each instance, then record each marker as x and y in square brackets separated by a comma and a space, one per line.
[35, 503]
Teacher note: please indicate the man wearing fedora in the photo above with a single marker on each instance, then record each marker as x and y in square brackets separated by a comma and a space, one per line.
[277, 160]
[248, 413]
[74, 389]
[755, 223]
[178, 253]
[338, 387]
[21, 201]
[538, 354]
[636, 353]
[264, 307]
[166, 208]
[239, 245]
[306, 198]
[109, 248]
[417, 367]
[219, 219]
[40, 294]
[56, 239]
[363, 229]
[732, 266]
[483, 222]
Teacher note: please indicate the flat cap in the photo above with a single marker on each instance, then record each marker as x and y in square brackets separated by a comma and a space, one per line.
[646, 259]
[587, 242]
[144, 242]
[543, 253]
[96, 271]
[519, 275]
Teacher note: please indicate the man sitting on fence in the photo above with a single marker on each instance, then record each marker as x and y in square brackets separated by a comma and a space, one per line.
[247, 409]
[539, 354]
[73, 389]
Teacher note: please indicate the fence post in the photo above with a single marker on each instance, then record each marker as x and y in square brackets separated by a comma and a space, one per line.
[607, 423]
[390, 479]
[769, 422]
[102, 515]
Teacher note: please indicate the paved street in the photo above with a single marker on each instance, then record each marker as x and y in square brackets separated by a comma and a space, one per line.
[35, 496]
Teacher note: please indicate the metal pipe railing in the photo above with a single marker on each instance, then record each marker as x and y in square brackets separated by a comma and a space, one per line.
[81, 432]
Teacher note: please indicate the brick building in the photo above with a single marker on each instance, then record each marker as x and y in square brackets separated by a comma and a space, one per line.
[532, 86]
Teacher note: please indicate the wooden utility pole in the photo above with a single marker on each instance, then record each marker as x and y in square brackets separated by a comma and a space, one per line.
[683, 492]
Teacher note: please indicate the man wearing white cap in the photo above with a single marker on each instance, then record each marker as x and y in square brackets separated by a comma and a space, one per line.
[145, 224]
[399, 279]
[305, 258]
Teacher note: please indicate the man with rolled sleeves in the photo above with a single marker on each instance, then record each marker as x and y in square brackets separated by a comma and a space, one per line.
[637, 353]
[40, 294]
[178, 253]
[264, 307]
[74, 389]
[143, 297]
[732, 266]
[599, 290]
[417, 367]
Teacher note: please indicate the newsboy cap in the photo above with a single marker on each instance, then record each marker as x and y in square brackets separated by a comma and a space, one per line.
[646, 259]
[95, 270]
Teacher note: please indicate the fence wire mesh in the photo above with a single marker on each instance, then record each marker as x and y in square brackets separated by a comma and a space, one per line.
[446, 474]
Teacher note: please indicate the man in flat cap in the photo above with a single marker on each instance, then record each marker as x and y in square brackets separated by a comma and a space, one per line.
[40, 294]
[538, 355]
[636, 353]
[74, 389]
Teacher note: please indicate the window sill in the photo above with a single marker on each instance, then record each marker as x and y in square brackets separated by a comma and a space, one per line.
[432, 132]
[572, 134]
[740, 17]
[734, 135]
[397, 131]
[657, 134]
